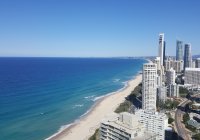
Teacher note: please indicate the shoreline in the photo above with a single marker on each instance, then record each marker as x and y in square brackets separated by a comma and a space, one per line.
[67, 127]
[90, 121]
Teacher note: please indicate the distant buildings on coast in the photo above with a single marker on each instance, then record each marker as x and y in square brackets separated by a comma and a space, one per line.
[158, 84]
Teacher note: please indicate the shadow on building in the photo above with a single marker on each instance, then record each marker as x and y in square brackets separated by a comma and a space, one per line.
[171, 135]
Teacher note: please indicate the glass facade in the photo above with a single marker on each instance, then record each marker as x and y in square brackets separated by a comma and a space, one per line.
[179, 50]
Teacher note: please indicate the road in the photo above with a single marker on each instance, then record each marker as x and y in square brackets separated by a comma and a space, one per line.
[179, 126]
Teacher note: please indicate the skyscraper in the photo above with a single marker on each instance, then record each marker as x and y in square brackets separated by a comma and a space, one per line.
[164, 57]
[161, 49]
[170, 76]
[187, 56]
[149, 86]
[179, 50]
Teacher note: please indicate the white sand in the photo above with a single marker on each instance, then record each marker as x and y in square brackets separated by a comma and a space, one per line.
[87, 126]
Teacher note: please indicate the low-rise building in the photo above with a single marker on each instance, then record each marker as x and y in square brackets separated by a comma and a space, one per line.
[194, 123]
[123, 126]
[195, 116]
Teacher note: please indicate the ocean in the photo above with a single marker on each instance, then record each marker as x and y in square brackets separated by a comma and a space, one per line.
[41, 96]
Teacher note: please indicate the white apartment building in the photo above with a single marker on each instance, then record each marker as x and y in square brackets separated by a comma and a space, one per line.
[170, 76]
[160, 72]
[193, 64]
[123, 126]
[154, 122]
[149, 86]
[157, 62]
[173, 90]
[172, 87]
[159, 80]
[178, 66]
[162, 93]
[192, 76]
[160, 76]
[169, 63]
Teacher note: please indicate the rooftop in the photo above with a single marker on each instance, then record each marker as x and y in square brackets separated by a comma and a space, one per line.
[123, 121]
[146, 136]
[192, 69]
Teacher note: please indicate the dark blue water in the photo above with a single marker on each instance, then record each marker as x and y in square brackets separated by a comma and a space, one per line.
[39, 95]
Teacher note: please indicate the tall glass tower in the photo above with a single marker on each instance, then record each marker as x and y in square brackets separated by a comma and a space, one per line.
[179, 50]
[187, 56]
[161, 48]
[164, 57]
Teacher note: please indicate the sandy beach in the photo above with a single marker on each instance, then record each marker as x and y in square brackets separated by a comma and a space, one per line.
[87, 125]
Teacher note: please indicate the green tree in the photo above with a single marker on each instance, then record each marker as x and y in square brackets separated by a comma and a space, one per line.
[169, 104]
[186, 117]
[196, 136]
[95, 136]
[170, 120]
[183, 91]
[123, 107]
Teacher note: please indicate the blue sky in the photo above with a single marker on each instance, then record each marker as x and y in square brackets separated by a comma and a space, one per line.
[101, 28]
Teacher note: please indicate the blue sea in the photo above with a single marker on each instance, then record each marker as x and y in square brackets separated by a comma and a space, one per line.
[40, 96]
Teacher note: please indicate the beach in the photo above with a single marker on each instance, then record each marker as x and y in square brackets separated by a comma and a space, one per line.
[87, 125]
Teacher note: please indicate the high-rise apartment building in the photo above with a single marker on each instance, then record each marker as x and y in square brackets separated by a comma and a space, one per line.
[170, 76]
[169, 63]
[173, 90]
[162, 93]
[172, 87]
[149, 86]
[161, 48]
[187, 56]
[179, 50]
[157, 62]
[160, 71]
[178, 66]
[193, 64]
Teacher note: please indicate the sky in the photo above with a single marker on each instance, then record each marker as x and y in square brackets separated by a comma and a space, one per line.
[96, 28]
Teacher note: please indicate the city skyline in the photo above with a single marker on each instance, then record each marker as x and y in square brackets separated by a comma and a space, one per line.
[96, 28]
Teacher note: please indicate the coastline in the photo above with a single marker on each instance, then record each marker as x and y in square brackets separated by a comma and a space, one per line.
[90, 121]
